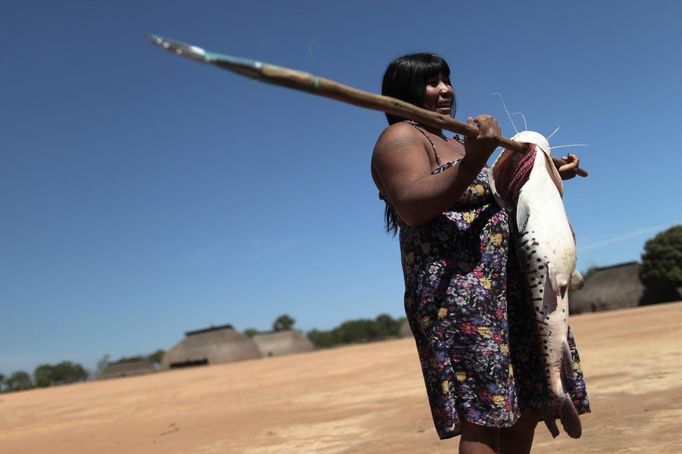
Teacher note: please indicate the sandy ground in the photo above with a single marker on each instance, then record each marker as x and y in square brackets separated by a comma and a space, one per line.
[361, 399]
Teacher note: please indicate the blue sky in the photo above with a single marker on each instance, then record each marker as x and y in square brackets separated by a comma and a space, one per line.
[144, 195]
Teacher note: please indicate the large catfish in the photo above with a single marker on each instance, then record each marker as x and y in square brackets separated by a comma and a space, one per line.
[545, 245]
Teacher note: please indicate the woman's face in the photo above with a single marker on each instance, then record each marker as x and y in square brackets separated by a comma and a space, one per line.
[439, 95]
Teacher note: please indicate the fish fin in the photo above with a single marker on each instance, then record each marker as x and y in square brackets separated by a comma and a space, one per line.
[553, 279]
[569, 418]
[563, 287]
[577, 280]
[567, 362]
[550, 419]
[559, 286]
[522, 215]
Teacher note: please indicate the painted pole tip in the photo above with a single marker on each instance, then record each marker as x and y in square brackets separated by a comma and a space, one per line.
[178, 48]
[155, 39]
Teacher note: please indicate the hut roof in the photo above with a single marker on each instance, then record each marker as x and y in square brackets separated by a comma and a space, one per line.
[609, 287]
[127, 367]
[208, 330]
[219, 344]
[278, 343]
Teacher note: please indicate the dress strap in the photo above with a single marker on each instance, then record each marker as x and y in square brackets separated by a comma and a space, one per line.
[420, 129]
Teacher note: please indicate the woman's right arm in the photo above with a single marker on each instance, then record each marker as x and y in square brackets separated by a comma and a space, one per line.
[401, 165]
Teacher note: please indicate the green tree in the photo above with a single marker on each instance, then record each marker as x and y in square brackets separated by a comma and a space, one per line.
[59, 374]
[283, 323]
[387, 326]
[2, 381]
[250, 332]
[662, 259]
[42, 376]
[356, 331]
[18, 381]
[322, 339]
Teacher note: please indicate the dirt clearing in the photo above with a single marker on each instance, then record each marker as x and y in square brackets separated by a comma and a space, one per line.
[361, 399]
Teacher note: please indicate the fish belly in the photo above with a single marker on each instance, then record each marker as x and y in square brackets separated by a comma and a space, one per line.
[547, 249]
[549, 308]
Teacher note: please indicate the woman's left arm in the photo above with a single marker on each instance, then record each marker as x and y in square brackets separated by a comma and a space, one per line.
[569, 168]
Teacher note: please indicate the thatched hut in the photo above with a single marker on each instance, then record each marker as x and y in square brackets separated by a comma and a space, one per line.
[127, 367]
[610, 287]
[214, 345]
[279, 343]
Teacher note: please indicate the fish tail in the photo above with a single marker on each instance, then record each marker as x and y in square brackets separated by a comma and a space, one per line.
[567, 412]
[569, 418]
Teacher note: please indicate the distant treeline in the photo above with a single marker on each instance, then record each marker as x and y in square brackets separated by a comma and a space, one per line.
[357, 332]
[60, 374]
[44, 375]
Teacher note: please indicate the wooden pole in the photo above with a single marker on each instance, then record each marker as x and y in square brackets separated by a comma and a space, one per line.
[310, 83]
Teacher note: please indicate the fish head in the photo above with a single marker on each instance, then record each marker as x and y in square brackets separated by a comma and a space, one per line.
[506, 166]
[542, 143]
[535, 138]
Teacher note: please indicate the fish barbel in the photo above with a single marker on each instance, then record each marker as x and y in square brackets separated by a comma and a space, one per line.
[545, 246]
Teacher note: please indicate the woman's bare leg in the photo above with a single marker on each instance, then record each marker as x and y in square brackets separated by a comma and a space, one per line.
[518, 438]
[478, 439]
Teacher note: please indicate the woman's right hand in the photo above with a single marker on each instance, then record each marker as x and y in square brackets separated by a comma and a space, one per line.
[478, 149]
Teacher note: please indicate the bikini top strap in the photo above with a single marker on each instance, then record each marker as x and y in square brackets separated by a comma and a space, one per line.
[420, 129]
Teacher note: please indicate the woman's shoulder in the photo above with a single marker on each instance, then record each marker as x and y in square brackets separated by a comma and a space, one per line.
[400, 128]
[398, 133]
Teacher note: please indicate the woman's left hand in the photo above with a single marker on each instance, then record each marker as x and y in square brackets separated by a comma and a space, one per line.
[569, 168]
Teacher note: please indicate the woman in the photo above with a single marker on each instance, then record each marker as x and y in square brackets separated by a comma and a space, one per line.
[462, 288]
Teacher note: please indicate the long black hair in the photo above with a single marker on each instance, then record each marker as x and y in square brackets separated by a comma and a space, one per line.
[406, 78]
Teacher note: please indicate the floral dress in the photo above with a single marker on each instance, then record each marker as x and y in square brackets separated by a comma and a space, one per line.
[473, 329]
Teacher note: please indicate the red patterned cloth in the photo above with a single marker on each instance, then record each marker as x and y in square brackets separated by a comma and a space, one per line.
[520, 174]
